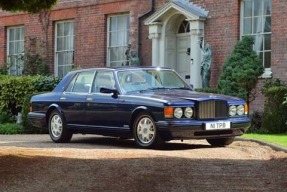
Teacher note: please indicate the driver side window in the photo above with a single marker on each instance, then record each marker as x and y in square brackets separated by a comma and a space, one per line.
[103, 79]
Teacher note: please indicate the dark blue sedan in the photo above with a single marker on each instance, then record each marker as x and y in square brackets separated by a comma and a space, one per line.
[151, 105]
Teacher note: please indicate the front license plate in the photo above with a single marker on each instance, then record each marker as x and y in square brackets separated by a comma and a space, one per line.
[217, 125]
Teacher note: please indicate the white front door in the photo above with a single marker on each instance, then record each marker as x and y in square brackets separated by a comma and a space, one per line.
[182, 58]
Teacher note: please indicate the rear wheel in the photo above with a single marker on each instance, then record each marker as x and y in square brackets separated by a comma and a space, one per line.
[57, 128]
[145, 132]
[220, 142]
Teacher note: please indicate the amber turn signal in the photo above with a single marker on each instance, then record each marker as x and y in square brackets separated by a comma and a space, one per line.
[168, 112]
[246, 109]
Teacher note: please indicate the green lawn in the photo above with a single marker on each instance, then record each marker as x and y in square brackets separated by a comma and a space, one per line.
[280, 139]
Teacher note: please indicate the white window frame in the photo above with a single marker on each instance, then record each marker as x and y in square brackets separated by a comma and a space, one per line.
[19, 66]
[56, 64]
[108, 38]
[267, 71]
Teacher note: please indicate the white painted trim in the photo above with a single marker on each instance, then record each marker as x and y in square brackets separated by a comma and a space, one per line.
[267, 73]
[188, 14]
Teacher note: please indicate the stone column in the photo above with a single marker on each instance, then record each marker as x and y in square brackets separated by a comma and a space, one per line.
[155, 35]
[197, 33]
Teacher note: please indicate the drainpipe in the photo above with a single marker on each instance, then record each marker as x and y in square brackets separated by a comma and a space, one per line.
[149, 12]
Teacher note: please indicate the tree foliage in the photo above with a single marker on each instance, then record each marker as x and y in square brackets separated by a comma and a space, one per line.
[31, 6]
[241, 71]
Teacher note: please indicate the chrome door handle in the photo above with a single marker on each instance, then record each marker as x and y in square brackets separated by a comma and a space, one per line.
[89, 99]
[63, 98]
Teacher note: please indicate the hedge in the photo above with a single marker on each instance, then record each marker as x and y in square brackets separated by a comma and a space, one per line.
[16, 92]
[275, 112]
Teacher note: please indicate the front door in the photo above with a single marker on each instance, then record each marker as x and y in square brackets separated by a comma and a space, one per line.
[183, 58]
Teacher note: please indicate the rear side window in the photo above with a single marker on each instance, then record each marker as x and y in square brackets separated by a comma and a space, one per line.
[81, 83]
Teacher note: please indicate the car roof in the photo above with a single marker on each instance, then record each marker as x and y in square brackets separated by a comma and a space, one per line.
[121, 68]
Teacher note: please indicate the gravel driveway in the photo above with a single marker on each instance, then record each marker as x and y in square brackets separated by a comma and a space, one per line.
[92, 163]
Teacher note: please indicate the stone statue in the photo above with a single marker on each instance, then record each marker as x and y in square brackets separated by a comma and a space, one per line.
[127, 54]
[205, 65]
[132, 58]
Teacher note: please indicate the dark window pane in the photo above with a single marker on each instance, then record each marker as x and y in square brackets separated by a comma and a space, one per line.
[261, 57]
[267, 42]
[184, 27]
[267, 25]
[267, 60]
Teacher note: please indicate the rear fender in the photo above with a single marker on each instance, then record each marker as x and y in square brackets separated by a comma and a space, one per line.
[52, 108]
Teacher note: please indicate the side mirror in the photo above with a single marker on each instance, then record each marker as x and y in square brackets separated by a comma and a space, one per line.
[109, 90]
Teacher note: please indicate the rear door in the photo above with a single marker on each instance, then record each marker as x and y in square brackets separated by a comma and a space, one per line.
[73, 100]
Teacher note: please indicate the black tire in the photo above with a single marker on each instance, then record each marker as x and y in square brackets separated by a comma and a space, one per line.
[145, 132]
[220, 142]
[57, 128]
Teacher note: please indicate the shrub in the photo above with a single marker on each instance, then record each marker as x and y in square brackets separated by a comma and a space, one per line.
[241, 71]
[15, 95]
[275, 113]
[10, 128]
[272, 83]
[4, 69]
[13, 91]
[46, 83]
[256, 122]
[5, 118]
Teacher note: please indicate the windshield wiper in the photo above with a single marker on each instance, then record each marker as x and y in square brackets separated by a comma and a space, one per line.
[153, 88]
[182, 88]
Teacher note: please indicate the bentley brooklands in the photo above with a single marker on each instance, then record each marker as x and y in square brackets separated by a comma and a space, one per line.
[149, 104]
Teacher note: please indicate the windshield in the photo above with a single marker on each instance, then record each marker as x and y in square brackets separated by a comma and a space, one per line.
[149, 79]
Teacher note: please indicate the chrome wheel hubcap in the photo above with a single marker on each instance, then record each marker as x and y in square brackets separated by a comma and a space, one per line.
[145, 130]
[56, 126]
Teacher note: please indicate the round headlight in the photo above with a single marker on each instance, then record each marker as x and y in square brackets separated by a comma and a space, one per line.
[240, 110]
[188, 112]
[232, 110]
[178, 112]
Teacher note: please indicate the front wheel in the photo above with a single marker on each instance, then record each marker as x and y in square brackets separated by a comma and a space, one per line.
[145, 132]
[220, 142]
[57, 128]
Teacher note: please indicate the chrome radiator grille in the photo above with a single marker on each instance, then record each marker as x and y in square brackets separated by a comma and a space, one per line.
[212, 109]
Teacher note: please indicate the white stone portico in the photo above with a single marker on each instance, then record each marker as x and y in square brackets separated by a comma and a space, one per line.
[176, 31]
